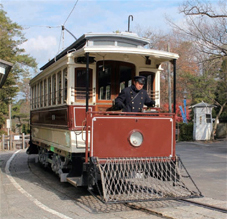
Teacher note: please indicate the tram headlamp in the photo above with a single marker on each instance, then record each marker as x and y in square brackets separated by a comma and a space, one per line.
[136, 138]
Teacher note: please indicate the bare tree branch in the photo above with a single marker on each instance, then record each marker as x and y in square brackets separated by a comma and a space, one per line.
[199, 8]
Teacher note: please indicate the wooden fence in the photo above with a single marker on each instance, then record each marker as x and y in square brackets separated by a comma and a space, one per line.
[15, 141]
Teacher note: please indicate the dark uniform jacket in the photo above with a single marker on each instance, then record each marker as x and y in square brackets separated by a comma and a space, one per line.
[132, 100]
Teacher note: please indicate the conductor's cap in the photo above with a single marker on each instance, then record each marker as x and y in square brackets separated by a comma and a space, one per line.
[140, 79]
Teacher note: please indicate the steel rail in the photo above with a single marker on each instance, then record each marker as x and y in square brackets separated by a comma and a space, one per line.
[148, 211]
[212, 207]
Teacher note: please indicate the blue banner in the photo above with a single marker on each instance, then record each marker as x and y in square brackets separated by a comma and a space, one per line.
[183, 113]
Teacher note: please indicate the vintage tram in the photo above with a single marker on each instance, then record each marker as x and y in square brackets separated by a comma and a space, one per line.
[126, 156]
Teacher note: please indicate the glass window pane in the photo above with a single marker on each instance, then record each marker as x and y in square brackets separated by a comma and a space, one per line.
[125, 75]
[59, 87]
[65, 84]
[81, 78]
[103, 43]
[108, 92]
[45, 92]
[126, 44]
[34, 96]
[148, 86]
[37, 95]
[49, 91]
[54, 89]
[41, 93]
[208, 118]
[104, 82]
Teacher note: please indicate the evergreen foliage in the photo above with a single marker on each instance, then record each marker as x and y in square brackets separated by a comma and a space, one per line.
[11, 39]
[186, 132]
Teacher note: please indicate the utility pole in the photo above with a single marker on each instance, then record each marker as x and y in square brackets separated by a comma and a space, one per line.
[10, 116]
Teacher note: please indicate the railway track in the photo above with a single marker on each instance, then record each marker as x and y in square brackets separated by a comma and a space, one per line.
[147, 210]
[208, 206]
[158, 212]
[169, 209]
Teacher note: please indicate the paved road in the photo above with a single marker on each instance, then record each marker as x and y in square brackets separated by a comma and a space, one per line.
[28, 191]
[207, 165]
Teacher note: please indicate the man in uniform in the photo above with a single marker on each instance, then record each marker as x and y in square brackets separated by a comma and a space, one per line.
[132, 99]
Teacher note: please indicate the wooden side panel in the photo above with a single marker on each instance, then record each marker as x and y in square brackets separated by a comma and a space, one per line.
[77, 115]
[68, 117]
[50, 117]
[110, 136]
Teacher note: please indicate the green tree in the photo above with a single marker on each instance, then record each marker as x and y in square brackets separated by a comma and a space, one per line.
[221, 94]
[11, 39]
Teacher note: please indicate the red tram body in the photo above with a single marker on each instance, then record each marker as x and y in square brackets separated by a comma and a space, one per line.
[127, 156]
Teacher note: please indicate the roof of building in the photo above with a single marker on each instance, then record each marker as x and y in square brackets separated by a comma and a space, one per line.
[202, 104]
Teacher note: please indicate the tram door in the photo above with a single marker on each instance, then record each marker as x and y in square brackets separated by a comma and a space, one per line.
[112, 77]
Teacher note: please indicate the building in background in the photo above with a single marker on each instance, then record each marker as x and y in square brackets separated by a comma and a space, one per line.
[203, 122]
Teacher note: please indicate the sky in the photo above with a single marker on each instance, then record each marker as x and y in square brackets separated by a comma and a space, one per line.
[42, 20]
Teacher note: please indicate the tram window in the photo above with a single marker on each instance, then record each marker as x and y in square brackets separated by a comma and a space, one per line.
[35, 102]
[149, 83]
[126, 44]
[45, 91]
[122, 86]
[49, 91]
[31, 99]
[37, 95]
[54, 89]
[108, 92]
[59, 87]
[104, 82]
[101, 93]
[65, 84]
[103, 43]
[33, 96]
[41, 93]
[125, 75]
[80, 88]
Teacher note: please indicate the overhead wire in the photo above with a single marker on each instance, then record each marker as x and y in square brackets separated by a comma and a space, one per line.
[62, 29]
[70, 12]
[60, 42]
[62, 26]
[47, 26]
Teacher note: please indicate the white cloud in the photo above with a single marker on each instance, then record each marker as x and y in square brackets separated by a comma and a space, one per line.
[42, 48]
[42, 20]
[40, 43]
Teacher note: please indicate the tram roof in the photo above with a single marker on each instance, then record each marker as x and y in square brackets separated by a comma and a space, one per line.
[79, 46]
[158, 54]
[79, 43]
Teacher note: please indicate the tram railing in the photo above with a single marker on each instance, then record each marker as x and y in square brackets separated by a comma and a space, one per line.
[80, 92]
[153, 95]
[49, 99]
